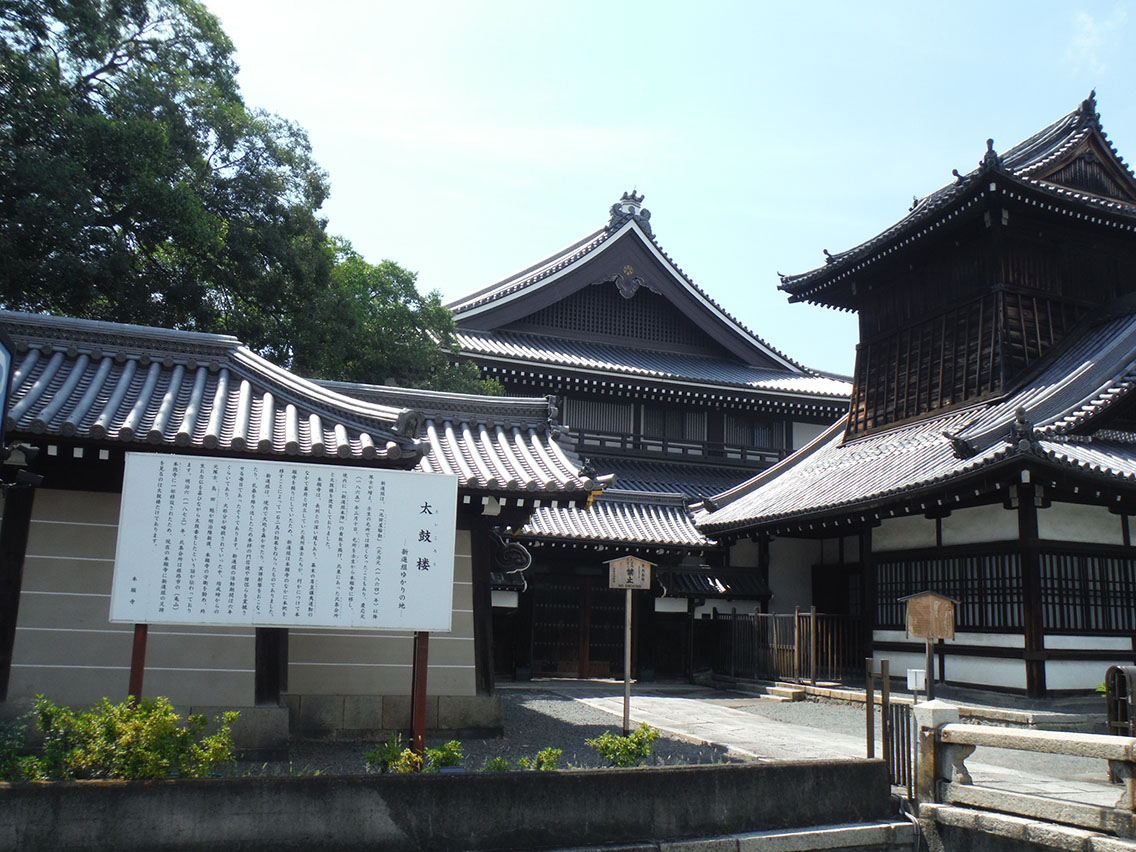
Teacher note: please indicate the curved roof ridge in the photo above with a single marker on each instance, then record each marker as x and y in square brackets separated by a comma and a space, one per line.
[1021, 162]
[531, 274]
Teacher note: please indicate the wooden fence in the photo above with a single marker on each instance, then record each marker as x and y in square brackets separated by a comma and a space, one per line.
[797, 646]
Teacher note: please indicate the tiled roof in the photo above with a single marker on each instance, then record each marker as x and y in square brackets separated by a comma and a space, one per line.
[648, 364]
[1020, 165]
[551, 267]
[135, 387]
[490, 443]
[618, 518]
[1072, 388]
[709, 582]
[662, 477]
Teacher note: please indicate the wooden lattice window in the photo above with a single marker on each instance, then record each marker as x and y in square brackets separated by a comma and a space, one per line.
[1088, 593]
[765, 433]
[592, 415]
[672, 423]
[988, 588]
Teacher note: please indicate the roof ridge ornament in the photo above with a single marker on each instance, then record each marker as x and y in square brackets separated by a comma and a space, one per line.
[630, 206]
[1088, 108]
[1022, 435]
[990, 159]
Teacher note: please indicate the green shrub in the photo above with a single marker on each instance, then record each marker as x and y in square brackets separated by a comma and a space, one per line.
[408, 761]
[382, 757]
[13, 766]
[546, 760]
[131, 740]
[496, 764]
[629, 750]
[392, 757]
[449, 754]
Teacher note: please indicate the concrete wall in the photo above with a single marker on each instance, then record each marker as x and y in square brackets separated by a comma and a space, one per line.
[66, 648]
[441, 813]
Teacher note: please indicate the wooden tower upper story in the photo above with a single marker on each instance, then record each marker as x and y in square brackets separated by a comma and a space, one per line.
[960, 298]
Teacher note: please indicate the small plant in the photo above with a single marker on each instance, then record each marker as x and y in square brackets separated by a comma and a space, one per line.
[13, 766]
[496, 764]
[408, 762]
[449, 754]
[131, 740]
[382, 757]
[392, 757]
[546, 760]
[629, 750]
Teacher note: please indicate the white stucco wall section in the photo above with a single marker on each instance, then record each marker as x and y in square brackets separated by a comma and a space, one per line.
[980, 524]
[805, 432]
[903, 534]
[1077, 522]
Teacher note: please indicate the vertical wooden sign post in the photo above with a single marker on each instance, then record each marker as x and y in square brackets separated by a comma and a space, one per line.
[930, 616]
[418, 690]
[137, 661]
[629, 573]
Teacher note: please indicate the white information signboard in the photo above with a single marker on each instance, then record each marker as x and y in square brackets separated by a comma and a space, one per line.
[217, 541]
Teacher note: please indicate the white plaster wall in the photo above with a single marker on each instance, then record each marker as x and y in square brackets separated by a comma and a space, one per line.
[805, 432]
[830, 550]
[1077, 522]
[791, 563]
[744, 554]
[903, 534]
[1076, 674]
[1094, 643]
[986, 640]
[980, 524]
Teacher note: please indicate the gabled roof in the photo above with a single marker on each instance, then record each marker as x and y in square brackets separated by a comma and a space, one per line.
[134, 387]
[538, 285]
[1065, 406]
[491, 443]
[1035, 168]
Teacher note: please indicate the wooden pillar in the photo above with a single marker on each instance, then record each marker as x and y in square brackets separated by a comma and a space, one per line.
[584, 665]
[1029, 550]
[763, 566]
[13, 546]
[481, 553]
[868, 579]
[271, 673]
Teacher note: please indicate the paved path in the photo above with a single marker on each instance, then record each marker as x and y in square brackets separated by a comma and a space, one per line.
[705, 716]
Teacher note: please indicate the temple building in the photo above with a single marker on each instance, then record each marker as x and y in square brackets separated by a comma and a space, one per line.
[989, 450]
[85, 394]
[656, 383]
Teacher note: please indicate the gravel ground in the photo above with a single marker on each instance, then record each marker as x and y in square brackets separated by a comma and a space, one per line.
[534, 720]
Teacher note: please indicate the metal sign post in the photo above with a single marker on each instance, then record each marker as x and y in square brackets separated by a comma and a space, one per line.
[629, 573]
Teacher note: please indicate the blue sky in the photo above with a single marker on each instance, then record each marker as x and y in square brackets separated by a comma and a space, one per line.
[466, 140]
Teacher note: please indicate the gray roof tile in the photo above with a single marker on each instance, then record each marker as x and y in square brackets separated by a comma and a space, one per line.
[1073, 388]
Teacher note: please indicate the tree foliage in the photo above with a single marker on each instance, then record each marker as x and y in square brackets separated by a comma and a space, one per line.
[137, 186]
[367, 303]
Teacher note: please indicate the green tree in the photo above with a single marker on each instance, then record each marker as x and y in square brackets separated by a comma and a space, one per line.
[137, 186]
[385, 330]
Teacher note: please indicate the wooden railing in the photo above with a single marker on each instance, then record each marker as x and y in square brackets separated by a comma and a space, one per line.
[797, 646]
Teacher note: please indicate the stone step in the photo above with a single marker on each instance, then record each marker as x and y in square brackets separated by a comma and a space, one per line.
[786, 692]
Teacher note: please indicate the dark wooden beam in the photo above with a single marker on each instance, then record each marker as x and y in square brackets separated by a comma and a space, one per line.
[13, 546]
